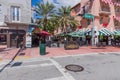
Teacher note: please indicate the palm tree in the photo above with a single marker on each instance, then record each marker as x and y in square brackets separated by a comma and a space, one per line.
[65, 19]
[44, 10]
[53, 23]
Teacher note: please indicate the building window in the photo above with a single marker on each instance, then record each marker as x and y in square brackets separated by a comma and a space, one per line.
[0, 9]
[117, 9]
[88, 21]
[15, 13]
[101, 20]
[116, 23]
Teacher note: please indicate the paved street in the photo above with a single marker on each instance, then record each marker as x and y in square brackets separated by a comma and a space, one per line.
[101, 66]
[9, 53]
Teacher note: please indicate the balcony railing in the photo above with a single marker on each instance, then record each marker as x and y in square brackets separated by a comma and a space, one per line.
[17, 19]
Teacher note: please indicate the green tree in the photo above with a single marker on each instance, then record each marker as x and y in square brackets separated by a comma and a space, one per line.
[65, 19]
[44, 10]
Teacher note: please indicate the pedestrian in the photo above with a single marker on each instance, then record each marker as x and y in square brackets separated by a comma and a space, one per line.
[21, 45]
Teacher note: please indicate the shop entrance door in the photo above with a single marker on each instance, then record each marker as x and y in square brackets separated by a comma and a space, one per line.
[3, 39]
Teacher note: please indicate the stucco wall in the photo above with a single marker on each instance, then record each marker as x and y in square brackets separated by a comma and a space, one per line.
[25, 9]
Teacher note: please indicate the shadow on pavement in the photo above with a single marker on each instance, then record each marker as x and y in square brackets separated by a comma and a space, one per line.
[11, 60]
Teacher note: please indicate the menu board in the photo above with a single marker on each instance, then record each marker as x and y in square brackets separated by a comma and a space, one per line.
[28, 41]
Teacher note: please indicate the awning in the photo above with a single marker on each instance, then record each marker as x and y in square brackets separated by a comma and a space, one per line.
[78, 33]
[87, 32]
[104, 31]
[4, 27]
[61, 34]
[117, 32]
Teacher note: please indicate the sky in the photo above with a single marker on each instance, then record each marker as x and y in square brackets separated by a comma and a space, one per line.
[59, 2]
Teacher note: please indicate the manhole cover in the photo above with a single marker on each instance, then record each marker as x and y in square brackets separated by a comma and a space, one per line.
[74, 68]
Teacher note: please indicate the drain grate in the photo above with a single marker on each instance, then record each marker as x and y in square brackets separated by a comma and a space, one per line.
[74, 68]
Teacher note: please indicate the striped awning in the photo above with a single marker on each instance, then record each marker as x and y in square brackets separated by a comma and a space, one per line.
[87, 32]
[117, 32]
[78, 33]
[104, 31]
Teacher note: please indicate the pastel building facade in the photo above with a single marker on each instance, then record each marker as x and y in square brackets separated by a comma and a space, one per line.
[106, 14]
[15, 18]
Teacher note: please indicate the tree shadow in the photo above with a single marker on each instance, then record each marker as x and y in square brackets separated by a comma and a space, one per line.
[9, 63]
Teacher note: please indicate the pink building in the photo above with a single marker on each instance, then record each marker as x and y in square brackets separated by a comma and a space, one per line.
[106, 14]
[106, 20]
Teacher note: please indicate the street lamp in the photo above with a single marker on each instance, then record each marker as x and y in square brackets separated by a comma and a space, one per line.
[90, 16]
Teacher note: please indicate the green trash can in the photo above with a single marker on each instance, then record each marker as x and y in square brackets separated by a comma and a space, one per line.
[42, 49]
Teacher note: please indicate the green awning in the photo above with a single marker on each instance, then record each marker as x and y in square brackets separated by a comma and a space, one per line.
[61, 34]
[105, 32]
[78, 33]
[108, 32]
[116, 32]
[87, 32]
[102, 32]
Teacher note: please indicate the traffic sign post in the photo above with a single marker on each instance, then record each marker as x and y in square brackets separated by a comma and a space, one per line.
[90, 16]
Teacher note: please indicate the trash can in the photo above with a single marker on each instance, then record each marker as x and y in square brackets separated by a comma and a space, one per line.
[42, 49]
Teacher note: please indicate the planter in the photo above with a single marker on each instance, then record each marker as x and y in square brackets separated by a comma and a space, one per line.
[71, 45]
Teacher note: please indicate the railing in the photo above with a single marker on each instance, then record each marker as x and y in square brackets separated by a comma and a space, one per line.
[17, 19]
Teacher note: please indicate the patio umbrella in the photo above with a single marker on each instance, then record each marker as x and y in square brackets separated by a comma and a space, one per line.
[44, 33]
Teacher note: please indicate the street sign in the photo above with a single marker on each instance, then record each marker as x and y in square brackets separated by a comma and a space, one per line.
[88, 16]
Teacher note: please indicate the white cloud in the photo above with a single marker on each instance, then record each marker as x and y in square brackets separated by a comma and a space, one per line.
[64, 2]
[69, 2]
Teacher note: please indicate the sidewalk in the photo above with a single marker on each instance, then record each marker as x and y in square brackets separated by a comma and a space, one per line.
[8, 54]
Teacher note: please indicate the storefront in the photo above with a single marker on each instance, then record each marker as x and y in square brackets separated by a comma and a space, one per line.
[12, 37]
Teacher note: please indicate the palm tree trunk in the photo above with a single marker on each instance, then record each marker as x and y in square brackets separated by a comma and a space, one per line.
[45, 22]
[64, 28]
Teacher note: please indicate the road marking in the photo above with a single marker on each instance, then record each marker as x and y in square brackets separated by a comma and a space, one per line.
[57, 78]
[31, 66]
[62, 70]
[32, 59]
[46, 64]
